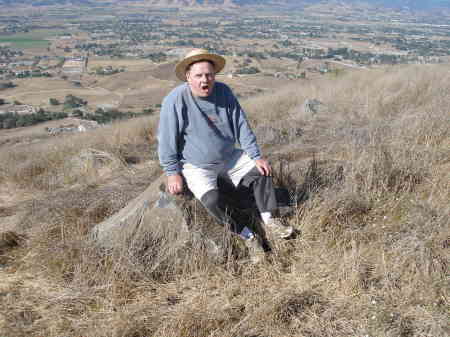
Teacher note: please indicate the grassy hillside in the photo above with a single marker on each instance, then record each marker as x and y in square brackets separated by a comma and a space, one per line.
[370, 174]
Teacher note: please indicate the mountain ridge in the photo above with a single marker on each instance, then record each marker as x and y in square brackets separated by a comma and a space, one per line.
[394, 4]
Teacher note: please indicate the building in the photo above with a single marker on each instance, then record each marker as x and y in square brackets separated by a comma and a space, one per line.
[75, 65]
[22, 109]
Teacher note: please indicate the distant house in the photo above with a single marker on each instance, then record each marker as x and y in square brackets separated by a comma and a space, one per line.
[21, 71]
[76, 65]
[313, 51]
[88, 125]
[177, 52]
[78, 125]
[23, 63]
[23, 109]
[106, 107]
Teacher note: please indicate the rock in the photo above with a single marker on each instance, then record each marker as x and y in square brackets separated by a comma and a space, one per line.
[122, 225]
[94, 158]
[162, 230]
[163, 222]
[313, 106]
[89, 164]
[9, 240]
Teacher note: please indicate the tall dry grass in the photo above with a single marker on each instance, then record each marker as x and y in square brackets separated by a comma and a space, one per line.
[369, 177]
[59, 162]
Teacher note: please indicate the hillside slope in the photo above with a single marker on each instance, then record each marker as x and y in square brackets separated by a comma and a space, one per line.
[368, 169]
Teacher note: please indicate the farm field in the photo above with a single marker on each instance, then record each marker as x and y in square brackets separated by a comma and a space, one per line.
[32, 40]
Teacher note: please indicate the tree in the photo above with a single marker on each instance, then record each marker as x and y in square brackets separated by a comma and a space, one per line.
[9, 123]
[54, 101]
[59, 115]
[24, 120]
[77, 113]
[72, 102]
[7, 85]
[147, 111]
[248, 71]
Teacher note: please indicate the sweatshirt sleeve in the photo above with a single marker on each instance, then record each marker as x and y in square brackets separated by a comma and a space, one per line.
[244, 134]
[168, 137]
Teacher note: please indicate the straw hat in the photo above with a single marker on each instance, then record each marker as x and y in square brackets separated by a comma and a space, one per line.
[195, 56]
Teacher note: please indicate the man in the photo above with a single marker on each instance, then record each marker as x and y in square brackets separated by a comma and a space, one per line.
[200, 123]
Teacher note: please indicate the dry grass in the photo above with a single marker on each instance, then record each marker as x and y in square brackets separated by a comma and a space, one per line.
[369, 174]
[62, 162]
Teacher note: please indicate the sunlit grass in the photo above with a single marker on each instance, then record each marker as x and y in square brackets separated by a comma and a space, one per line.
[369, 172]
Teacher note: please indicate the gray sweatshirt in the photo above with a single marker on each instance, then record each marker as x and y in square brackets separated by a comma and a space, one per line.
[202, 131]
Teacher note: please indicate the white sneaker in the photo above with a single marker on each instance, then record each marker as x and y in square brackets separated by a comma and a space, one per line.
[277, 229]
[255, 249]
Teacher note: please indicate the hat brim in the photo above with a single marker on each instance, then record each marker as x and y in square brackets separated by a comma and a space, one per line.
[217, 60]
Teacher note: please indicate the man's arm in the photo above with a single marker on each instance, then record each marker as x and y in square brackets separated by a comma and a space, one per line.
[168, 140]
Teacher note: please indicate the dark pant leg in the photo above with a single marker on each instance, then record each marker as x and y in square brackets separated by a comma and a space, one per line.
[263, 190]
[211, 201]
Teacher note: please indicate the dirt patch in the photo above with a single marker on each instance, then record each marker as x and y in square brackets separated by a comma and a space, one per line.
[165, 72]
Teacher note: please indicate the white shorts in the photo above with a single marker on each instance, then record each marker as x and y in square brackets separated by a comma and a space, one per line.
[201, 180]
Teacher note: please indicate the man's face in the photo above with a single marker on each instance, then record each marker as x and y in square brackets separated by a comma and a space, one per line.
[200, 78]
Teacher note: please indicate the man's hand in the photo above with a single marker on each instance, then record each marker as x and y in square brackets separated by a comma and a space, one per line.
[175, 184]
[263, 167]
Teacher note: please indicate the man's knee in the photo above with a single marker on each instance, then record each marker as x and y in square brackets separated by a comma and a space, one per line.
[210, 199]
[252, 176]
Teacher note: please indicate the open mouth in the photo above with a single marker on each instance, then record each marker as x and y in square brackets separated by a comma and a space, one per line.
[204, 87]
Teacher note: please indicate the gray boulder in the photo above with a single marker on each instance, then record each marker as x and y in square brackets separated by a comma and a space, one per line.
[313, 106]
[168, 234]
[160, 227]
